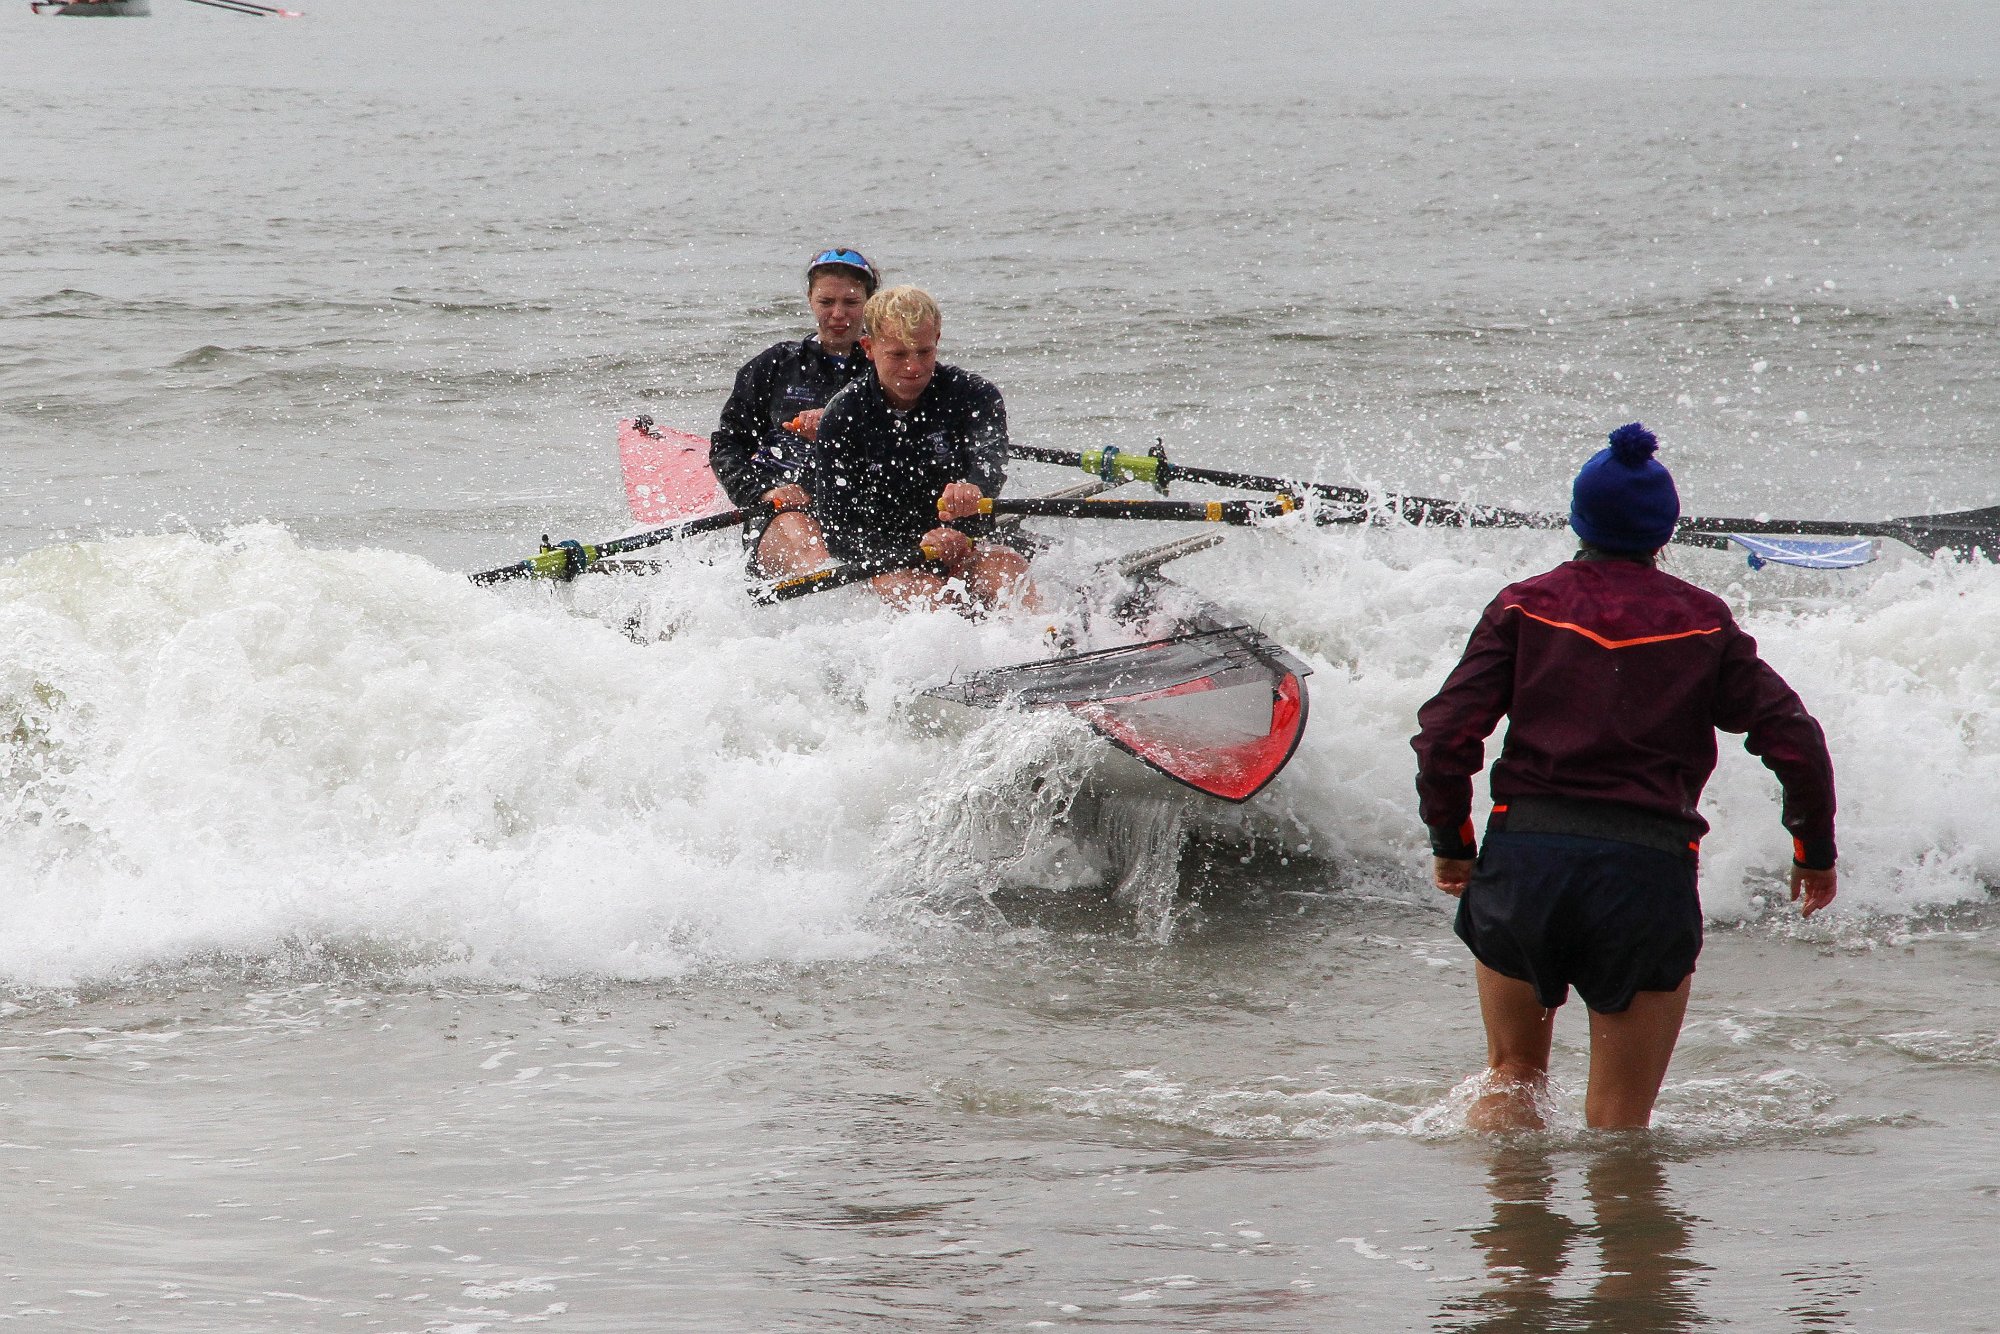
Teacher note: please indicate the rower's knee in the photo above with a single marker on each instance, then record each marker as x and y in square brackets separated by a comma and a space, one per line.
[792, 544]
[996, 572]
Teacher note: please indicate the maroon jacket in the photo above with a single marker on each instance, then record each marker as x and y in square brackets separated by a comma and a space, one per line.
[1614, 677]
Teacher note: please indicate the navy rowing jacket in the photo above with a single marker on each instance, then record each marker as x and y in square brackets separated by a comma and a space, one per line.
[875, 475]
[751, 451]
[1614, 678]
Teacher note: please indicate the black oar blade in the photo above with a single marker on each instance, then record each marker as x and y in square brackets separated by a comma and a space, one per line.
[1964, 532]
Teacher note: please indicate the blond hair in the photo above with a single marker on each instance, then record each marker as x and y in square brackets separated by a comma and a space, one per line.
[898, 312]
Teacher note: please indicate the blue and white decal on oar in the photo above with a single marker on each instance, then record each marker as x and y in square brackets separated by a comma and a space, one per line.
[1808, 553]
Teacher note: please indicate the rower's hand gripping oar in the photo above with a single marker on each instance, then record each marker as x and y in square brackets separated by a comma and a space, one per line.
[922, 557]
[1046, 507]
[1961, 531]
[566, 560]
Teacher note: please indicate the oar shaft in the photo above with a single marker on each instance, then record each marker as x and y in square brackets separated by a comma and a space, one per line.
[246, 7]
[710, 523]
[568, 559]
[1960, 532]
[1116, 464]
[1176, 511]
[840, 576]
[1412, 509]
[1793, 527]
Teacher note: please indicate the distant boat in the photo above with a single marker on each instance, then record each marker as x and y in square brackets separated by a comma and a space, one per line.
[93, 9]
[138, 9]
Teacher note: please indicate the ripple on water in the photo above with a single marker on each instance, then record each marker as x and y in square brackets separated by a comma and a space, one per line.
[1946, 1047]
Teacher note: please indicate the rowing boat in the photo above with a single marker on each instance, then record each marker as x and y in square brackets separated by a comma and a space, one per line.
[92, 9]
[112, 9]
[1198, 696]
[1191, 691]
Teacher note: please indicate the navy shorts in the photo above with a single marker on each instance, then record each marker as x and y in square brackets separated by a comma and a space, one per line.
[1558, 911]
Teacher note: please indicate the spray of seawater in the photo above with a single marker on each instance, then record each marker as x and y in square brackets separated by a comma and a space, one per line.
[1000, 816]
[225, 745]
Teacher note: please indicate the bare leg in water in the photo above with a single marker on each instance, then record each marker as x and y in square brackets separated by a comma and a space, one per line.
[1519, 1031]
[1629, 1053]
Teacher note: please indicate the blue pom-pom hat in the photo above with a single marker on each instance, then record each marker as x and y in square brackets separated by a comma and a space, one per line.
[1624, 498]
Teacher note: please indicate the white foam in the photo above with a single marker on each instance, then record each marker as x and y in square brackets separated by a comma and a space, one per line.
[1898, 662]
[244, 747]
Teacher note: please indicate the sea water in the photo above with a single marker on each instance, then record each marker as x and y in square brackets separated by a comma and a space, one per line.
[385, 953]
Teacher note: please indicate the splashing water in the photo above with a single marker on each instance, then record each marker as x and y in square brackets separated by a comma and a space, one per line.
[227, 745]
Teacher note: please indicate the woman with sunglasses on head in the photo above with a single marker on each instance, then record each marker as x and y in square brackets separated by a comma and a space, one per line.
[772, 415]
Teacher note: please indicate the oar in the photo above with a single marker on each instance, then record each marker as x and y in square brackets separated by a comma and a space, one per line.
[840, 576]
[1047, 507]
[1237, 512]
[246, 7]
[1154, 467]
[1961, 531]
[566, 560]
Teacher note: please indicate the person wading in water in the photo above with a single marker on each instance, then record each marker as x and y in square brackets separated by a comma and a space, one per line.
[1614, 677]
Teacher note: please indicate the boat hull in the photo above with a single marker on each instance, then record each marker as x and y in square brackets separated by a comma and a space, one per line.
[1203, 699]
[96, 9]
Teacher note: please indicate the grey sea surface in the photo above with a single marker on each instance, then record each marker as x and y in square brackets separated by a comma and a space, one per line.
[378, 952]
